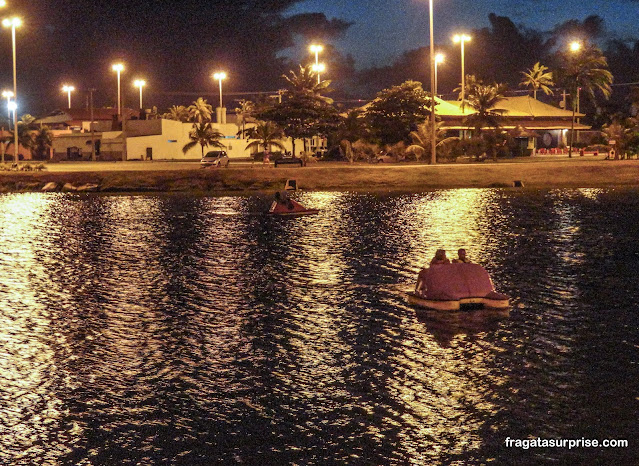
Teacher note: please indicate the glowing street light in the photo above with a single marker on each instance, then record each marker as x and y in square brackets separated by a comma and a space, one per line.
[14, 23]
[118, 68]
[316, 49]
[3, 3]
[140, 83]
[68, 90]
[439, 58]
[318, 68]
[219, 77]
[7, 95]
[433, 133]
[575, 47]
[461, 38]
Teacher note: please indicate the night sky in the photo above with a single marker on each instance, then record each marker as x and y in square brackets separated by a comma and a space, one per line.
[403, 24]
[176, 46]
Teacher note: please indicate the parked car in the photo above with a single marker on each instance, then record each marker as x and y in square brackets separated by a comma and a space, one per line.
[289, 161]
[215, 158]
[383, 157]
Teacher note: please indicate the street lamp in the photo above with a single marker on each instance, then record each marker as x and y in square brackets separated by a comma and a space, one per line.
[439, 58]
[575, 47]
[68, 90]
[219, 77]
[140, 83]
[7, 95]
[318, 68]
[118, 68]
[433, 132]
[461, 38]
[13, 23]
[316, 49]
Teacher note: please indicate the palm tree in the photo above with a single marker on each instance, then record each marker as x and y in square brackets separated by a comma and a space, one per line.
[177, 113]
[204, 135]
[244, 112]
[471, 82]
[538, 78]
[200, 111]
[267, 134]
[623, 132]
[585, 71]
[423, 136]
[484, 99]
[42, 142]
[305, 84]
[26, 129]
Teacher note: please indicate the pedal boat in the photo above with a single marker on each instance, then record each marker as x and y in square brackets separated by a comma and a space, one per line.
[454, 287]
[290, 208]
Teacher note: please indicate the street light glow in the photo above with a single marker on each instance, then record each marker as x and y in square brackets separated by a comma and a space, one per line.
[3, 3]
[316, 49]
[68, 90]
[12, 22]
[12, 106]
[461, 38]
[220, 75]
[575, 46]
[439, 58]
[140, 83]
[118, 68]
[319, 67]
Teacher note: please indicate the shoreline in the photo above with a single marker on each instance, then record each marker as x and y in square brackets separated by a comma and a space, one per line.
[158, 177]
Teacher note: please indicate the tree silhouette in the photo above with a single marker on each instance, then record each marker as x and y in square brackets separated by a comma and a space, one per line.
[204, 135]
[538, 77]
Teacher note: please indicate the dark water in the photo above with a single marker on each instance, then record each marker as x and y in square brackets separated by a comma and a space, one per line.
[192, 330]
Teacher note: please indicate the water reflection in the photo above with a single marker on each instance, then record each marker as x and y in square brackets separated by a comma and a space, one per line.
[190, 330]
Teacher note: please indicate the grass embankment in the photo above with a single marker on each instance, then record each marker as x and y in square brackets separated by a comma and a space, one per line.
[337, 177]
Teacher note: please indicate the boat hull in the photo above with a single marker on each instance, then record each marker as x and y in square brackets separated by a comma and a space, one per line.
[457, 304]
[295, 214]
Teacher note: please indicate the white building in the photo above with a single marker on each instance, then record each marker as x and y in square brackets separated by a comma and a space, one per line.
[153, 139]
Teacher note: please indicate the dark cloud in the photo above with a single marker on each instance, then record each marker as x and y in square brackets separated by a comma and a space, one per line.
[175, 45]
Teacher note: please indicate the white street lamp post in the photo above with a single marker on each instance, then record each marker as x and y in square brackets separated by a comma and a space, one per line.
[575, 47]
[68, 90]
[439, 58]
[461, 38]
[316, 49]
[118, 68]
[13, 23]
[433, 133]
[219, 77]
[220, 113]
[140, 83]
[318, 68]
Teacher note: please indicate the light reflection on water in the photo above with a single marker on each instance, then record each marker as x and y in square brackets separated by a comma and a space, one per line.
[182, 329]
